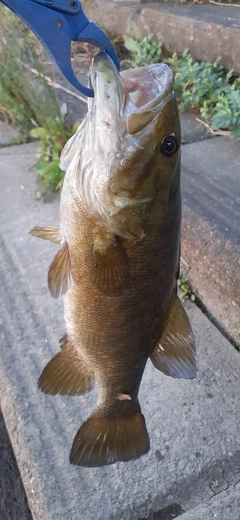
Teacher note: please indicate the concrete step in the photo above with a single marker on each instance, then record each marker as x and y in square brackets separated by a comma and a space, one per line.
[210, 229]
[208, 31]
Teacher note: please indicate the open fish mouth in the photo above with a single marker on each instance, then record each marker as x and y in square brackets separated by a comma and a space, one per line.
[133, 94]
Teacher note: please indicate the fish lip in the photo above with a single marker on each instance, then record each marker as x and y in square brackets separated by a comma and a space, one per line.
[104, 77]
[155, 80]
[154, 83]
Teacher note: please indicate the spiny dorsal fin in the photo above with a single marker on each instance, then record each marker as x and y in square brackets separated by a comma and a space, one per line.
[103, 440]
[59, 273]
[66, 373]
[109, 266]
[47, 233]
[174, 353]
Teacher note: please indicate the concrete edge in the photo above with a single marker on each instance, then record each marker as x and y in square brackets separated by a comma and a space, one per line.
[16, 432]
[205, 40]
[213, 272]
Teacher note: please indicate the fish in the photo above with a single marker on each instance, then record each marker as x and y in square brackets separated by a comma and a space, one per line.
[118, 262]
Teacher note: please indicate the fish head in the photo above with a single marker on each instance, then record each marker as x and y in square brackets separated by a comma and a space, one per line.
[125, 154]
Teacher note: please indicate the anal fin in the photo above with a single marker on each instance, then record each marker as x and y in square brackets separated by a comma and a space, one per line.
[59, 273]
[174, 353]
[47, 233]
[66, 373]
[109, 266]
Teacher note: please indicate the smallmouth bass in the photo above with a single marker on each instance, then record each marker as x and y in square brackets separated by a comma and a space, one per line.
[118, 264]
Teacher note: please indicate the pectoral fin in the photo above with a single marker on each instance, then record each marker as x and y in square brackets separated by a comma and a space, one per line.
[109, 266]
[47, 233]
[59, 273]
[174, 353]
[66, 373]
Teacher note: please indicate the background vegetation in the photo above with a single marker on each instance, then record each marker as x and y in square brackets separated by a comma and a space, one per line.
[206, 86]
[28, 99]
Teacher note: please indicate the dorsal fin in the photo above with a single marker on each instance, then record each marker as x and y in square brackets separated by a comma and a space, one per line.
[47, 233]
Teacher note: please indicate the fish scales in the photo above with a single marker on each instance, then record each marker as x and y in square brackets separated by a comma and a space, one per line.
[114, 327]
[118, 263]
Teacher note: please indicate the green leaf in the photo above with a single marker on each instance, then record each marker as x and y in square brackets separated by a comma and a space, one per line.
[39, 133]
[236, 130]
[75, 128]
[129, 43]
[133, 29]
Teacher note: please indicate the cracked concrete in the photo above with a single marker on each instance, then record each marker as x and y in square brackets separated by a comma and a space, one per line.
[224, 506]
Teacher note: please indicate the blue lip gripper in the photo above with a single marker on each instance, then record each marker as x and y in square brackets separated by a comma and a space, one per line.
[57, 23]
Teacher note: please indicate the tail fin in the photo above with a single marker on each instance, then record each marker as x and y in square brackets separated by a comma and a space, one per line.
[102, 441]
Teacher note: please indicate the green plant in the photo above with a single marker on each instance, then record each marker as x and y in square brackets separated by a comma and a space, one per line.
[207, 87]
[145, 51]
[185, 291]
[226, 113]
[27, 97]
[53, 136]
[202, 85]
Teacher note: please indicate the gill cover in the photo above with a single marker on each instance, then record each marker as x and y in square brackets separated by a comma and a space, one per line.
[107, 159]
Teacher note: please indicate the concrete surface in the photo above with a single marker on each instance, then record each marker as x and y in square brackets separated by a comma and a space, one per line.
[208, 31]
[13, 501]
[7, 134]
[193, 130]
[210, 229]
[193, 425]
[224, 506]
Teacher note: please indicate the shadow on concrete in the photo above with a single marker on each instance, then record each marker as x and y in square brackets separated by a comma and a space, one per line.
[13, 501]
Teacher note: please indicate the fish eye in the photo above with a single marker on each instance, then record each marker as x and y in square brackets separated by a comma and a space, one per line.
[169, 145]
